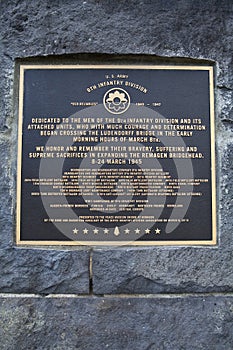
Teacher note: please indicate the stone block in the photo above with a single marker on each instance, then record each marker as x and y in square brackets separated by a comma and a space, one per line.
[162, 270]
[44, 271]
[160, 323]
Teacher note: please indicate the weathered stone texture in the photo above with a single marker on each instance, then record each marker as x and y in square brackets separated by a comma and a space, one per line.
[6, 229]
[44, 271]
[161, 323]
[158, 270]
[225, 192]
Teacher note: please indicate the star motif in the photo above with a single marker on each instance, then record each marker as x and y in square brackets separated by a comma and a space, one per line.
[126, 231]
[95, 231]
[147, 230]
[157, 231]
[75, 230]
[106, 231]
[85, 231]
[137, 231]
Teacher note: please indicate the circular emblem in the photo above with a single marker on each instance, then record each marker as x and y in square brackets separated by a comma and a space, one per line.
[116, 100]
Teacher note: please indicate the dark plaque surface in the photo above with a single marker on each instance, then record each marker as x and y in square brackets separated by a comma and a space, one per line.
[114, 155]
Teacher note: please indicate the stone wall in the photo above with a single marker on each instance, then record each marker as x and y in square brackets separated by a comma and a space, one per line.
[126, 298]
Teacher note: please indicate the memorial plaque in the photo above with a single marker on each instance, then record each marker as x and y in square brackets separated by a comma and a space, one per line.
[116, 155]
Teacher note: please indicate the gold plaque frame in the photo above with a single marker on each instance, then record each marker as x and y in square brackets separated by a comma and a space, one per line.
[25, 67]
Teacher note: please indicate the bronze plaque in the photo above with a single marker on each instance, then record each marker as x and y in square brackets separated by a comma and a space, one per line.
[116, 155]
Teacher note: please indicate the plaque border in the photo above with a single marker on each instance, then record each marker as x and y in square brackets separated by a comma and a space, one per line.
[208, 68]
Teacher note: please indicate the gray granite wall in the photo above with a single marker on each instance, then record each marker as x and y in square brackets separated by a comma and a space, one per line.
[126, 298]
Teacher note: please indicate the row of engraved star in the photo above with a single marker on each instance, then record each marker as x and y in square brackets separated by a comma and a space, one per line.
[85, 231]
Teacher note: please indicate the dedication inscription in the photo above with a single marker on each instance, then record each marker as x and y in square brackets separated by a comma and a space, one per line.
[113, 155]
